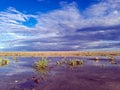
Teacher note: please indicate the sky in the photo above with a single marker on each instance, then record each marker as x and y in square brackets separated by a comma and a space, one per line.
[59, 25]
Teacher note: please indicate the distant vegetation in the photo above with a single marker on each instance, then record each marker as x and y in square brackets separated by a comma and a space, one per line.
[60, 53]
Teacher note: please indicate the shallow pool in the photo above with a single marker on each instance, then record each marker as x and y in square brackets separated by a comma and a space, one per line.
[19, 74]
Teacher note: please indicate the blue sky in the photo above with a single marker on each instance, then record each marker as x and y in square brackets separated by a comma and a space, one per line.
[59, 25]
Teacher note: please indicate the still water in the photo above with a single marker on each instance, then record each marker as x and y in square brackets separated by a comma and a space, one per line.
[19, 74]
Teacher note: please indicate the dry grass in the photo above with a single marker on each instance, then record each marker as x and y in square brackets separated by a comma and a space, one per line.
[60, 53]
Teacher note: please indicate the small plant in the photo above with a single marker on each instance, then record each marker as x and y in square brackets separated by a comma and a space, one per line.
[72, 63]
[112, 60]
[79, 62]
[4, 62]
[75, 62]
[41, 64]
[58, 63]
[63, 60]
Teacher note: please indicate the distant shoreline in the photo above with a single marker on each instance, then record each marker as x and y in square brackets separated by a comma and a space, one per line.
[62, 53]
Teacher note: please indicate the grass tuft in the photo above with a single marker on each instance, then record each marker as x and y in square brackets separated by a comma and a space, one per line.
[4, 62]
[41, 64]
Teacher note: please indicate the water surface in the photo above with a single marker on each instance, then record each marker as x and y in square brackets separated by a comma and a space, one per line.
[19, 74]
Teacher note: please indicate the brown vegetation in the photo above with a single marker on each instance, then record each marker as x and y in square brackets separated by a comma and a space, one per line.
[60, 53]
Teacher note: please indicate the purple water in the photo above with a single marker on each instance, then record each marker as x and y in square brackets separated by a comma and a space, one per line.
[92, 75]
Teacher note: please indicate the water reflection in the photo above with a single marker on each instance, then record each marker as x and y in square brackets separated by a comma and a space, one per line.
[19, 65]
[72, 73]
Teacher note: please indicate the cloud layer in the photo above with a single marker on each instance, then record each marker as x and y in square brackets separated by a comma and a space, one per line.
[68, 28]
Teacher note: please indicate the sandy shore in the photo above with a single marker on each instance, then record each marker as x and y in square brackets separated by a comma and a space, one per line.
[60, 53]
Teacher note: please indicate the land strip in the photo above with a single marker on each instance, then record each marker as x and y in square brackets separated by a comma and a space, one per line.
[61, 53]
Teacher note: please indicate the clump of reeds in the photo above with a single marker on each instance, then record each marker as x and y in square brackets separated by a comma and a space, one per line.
[62, 62]
[70, 62]
[75, 62]
[41, 64]
[112, 60]
[4, 62]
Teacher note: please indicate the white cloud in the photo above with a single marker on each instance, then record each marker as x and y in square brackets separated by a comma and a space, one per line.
[61, 23]
[104, 13]
[12, 16]
[102, 43]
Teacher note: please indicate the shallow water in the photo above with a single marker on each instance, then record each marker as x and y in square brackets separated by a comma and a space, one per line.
[19, 74]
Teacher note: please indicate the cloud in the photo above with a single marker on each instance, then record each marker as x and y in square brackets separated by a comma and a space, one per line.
[12, 16]
[67, 28]
[104, 13]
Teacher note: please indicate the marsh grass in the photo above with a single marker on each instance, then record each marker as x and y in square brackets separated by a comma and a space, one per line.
[41, 64]
[75, 62]
[41, 67]
[4, 62]
[112, 60]
[71, 62]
